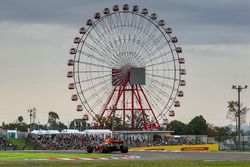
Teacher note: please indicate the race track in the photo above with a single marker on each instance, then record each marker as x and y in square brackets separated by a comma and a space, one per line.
[206, 156]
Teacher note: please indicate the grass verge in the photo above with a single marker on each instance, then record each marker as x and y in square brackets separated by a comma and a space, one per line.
[6, 156]
[21, 144]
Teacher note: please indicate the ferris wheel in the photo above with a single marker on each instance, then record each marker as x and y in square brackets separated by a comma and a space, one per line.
[126, 62]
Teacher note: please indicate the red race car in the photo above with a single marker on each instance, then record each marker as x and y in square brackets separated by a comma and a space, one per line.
[110, 145]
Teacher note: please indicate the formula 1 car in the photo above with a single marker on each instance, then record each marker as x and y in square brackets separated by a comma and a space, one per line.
[109, 146]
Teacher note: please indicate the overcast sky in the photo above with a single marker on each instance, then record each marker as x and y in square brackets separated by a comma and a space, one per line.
[35, 37]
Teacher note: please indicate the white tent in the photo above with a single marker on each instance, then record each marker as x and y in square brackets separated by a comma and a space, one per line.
[38, 132]
[104, 132]
[70, 131]
[45, 132]
[52, 132]
[98, 131]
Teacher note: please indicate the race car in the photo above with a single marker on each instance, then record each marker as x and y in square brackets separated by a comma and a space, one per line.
[110, 145]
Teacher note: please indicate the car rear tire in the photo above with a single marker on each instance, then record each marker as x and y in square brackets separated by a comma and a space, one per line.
[124, 149]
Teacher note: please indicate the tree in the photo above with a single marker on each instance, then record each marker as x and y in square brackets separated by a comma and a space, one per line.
[210, 130]
[178, 127]
[9, 126]
[61, 126]
[20, 119]
[232, 113]
[220, 134]
[138, 119]
[118, 124]
[197, 126]
[76, 124]
[52, 120]
[3, 124]
[53, 116]
[22, 127]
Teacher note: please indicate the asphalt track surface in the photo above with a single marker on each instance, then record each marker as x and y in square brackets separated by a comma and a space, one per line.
[150, 155]
[206, 156]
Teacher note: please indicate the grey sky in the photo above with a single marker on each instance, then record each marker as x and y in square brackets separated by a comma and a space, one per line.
[225, 18]
[35, 37]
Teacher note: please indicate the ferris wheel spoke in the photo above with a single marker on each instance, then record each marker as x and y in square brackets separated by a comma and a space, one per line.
[157, 57]
[105, 87]
[157, 49]
[138, 36]
[91, 79]
[163, 70]
[93, 64]
[99, 91]
[118, 20]
[106, 33]
[148, 39]
[125, 25]
[147, 45]
[154, 98]
[159, 91]
[108, 45]
[119, 80]
[94, 49]
[96, 85]
[164, 62]
[101, 96]
[98, 42]
[89, 71]
[112, 28]
[137, 48]
[158, 102]
[99, 102]
[103, 47]
[154, 50]
[159, 83]
[103, 35]
[155, 95]
[115, 57]
[166, 108]
[160, 76]
[100, 53]
[135, 31]
[97, 58]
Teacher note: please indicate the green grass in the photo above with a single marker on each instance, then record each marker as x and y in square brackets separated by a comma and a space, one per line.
[5, 156]
[125, 163]
[21, 144]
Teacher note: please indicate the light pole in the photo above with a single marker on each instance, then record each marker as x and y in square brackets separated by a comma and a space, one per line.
[238, 88]
[32, 113]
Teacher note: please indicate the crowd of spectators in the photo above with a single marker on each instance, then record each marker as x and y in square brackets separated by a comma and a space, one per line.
[5, 144]
[65, 141]
[182, 140]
